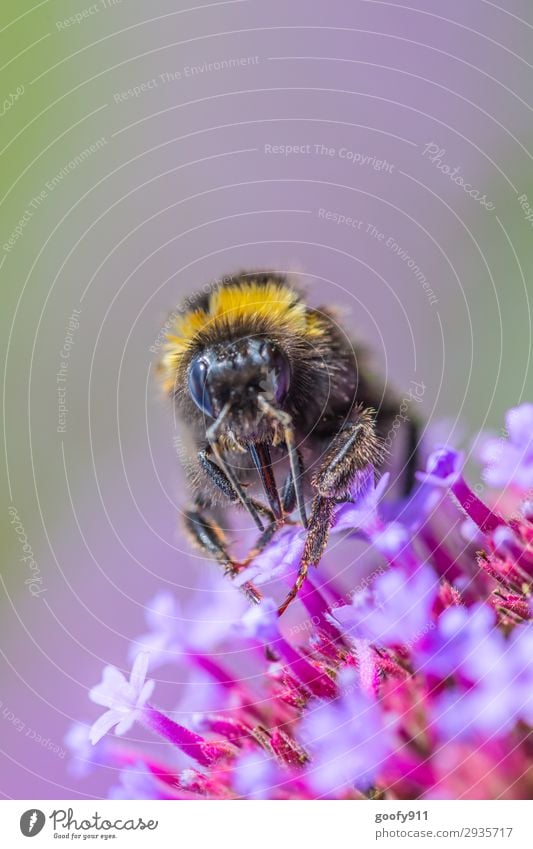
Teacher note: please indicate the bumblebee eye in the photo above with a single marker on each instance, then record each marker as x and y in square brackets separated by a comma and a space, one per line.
[279, 371]
[198, 386]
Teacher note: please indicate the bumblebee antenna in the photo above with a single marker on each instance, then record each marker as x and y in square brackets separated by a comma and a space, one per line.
[212, 435]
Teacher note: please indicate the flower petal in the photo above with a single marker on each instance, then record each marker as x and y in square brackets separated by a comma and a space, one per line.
[103, 724]
[519, 423]
[138, 672]
[126, 721]
[105, 693]
[145, 693]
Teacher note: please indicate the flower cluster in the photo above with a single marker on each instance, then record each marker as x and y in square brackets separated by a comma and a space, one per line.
[417, 683]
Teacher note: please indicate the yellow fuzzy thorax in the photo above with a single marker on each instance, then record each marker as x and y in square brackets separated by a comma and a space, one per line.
[271, 304]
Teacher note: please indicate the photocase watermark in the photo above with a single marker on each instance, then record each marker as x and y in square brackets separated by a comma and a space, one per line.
[417, 636]
[49, 186]
[526, 208]
[9, 101]
[74, 163]
[394, 247]
[161, 337]
[71, 327]
[35, 581]
[32, 822]
[415, 395]
[435, 155]
[367, 228]
[86, 13]
[220, 65]
[188, 71]
[354, 157]
[306, 625]
[365, 582]
[341, 219]
[67, 825]
[19, 725]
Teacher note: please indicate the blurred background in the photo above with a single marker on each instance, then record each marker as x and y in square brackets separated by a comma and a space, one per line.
[381, 152]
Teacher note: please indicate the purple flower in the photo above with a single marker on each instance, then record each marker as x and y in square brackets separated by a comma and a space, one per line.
[278, 560]
[138, 782]
[396, 609]
[362, 513]
[510, 461]
[414, 510]
[260, 622]
[389, 525]
[444, 469]
[174, 632]
[438, 650]
[502, 692]
[519, 660]
[349, 740]
[201, 694]
[123, 698]
[464, 642]
[84, 754]
[256, 775]
[394, 542]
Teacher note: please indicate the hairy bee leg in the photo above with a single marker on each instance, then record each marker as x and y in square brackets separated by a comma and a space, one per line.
[209, 538]
[295, 472]
[219, 479]
[351, 450]
[285, 421]
[356, 446]
[263, 540]
[288, 494]
[288, 503]
[217, 476]
[243, 498]
[315, 543]
[212, 437]
[260, 455]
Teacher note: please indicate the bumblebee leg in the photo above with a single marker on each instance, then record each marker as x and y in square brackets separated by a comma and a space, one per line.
[212, 437]
[315, 543]
[288, 502]
[263, 540]
[351, 450]
[284, 420]
[260, 454]
[217, 476]
[356, 446]
[288, 495]
[209, 538]
[220, 480]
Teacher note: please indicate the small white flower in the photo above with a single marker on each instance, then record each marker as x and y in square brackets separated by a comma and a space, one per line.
[123, 698]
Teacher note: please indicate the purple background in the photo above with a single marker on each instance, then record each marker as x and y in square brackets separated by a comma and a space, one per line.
[184, 192]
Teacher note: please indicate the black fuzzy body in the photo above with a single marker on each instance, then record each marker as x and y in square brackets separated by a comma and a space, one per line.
[339, 413]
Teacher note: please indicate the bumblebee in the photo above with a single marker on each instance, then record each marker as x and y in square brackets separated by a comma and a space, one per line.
[261, 381]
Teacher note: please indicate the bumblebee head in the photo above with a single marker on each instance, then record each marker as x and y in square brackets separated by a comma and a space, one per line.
[237, 373]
